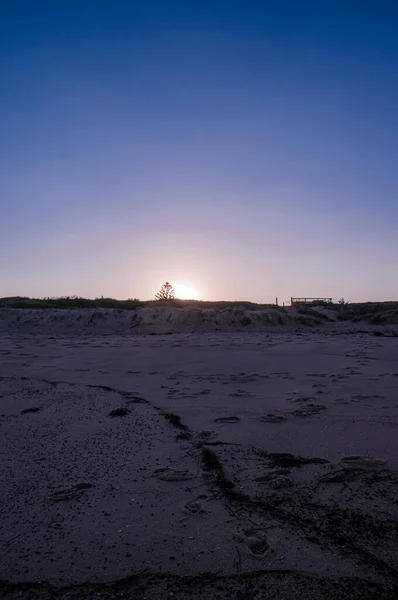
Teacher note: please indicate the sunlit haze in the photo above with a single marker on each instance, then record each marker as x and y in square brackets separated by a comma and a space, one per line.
[250, 148]
[186, 291]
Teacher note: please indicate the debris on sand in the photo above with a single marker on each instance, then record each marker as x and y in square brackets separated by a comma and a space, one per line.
[119, 412]
[34, 409]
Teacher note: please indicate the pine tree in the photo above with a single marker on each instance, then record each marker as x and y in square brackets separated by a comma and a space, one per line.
[166, 292]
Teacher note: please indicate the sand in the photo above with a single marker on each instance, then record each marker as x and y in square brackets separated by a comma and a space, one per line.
[157, 320]
[221, 464]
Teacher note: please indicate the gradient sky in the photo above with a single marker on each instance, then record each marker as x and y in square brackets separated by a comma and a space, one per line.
[248, 147]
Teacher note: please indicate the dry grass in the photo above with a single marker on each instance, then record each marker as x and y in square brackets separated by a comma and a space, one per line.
[130, 304]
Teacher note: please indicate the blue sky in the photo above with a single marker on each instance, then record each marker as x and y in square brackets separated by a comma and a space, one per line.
[247, 147]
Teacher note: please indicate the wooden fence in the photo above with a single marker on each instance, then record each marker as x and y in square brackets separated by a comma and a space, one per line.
[295, 301]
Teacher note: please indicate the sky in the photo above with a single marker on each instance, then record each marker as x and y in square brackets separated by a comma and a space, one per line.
[248, 148]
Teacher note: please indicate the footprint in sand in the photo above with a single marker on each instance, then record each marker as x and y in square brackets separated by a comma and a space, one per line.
[283, 375]
[308, 410]
[302, 399]
[256, 541]
[168, 474]
[231, 419]
[195, 506]
[206, 435]
[318, 375]
[204, 392]
[243, 378]
[271, 418]
[75, 491]
[365, 397]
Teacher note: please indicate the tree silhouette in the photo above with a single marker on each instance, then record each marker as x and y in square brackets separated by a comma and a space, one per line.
[166, 292]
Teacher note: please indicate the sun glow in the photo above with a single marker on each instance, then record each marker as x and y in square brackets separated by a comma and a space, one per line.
[186, 291]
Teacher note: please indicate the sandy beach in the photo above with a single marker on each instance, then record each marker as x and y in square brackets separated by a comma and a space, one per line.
[198, 306]
[197, 464]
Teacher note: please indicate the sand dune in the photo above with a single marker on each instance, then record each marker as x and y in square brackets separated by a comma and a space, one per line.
[144, 320]
[157, 320]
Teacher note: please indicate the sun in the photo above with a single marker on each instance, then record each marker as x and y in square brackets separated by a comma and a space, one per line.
[186, 291]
